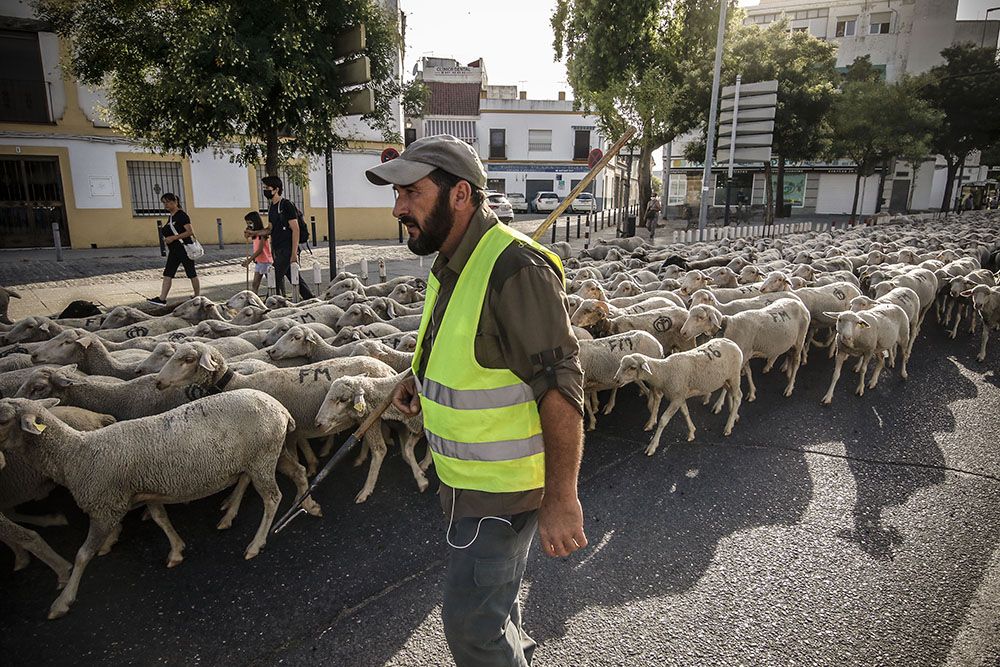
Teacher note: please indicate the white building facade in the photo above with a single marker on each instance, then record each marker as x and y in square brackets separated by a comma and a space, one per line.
[901, 37]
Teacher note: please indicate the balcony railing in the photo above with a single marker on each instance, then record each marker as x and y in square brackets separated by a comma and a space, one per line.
[24, 101]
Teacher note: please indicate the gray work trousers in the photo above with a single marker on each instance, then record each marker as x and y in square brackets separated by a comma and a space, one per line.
[482, 613]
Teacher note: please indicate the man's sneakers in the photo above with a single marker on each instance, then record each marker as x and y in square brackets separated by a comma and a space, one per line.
[157, 301]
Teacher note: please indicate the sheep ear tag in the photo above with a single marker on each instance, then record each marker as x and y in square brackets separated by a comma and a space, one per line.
[359, 403]
[29, 425]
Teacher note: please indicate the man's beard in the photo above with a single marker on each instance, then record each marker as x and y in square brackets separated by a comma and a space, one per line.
[436, 227]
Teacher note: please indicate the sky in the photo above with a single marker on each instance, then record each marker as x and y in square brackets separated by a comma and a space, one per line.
[514, 37]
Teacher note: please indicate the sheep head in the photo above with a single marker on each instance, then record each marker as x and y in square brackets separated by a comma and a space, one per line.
[850, 325]
[191, 363]
[701, 320]
[590, 313]
[159, 356]
[49, 382]
[343, 405]
[776, 281]
[298, 341]
[65, 348]
[632, 367]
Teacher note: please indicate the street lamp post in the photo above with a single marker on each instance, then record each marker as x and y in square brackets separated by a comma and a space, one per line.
[986, 22]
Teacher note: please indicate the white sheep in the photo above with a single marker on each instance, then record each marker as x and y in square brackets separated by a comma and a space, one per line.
[178, 456]
[699, 372]
[765, 333]
[349, 401]
[600, 359]
[869, 333]
[903, 297]
[986, 303]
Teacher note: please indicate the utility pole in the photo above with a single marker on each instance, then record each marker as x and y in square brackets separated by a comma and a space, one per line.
[331, 215]
[713, 110]
[667, 150]
[732, 145]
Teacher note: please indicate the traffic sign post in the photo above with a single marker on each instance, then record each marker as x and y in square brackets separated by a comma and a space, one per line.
[746, 127]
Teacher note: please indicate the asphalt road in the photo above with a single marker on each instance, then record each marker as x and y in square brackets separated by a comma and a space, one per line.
[865, 533]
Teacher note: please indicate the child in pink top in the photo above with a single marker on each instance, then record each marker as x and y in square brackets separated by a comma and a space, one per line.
[261, 249]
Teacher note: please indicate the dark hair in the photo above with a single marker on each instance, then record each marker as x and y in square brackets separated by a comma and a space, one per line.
[273, 182]
[169, 196]
[253, 217]
[445, 181]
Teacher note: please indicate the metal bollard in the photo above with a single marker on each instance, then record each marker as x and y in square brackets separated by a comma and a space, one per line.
[554, 225]
[272, 281]
[312, 221]
[567, 229]
[364, 271]
[673, 237]
[317, 275]
[381, 270]
[295, 282]
[578, 224]
[159, 234]
[218, 226]
[57, 241]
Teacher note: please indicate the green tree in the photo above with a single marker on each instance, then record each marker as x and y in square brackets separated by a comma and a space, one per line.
[255, 78]
[627, 62]
[804, 67]
[874, 122]
[966, 90]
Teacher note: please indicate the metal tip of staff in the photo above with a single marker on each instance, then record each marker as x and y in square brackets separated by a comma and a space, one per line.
[285, 520]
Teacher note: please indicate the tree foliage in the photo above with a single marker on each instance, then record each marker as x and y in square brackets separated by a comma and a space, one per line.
[966, 90]
[874, 122]
[627, 61]
[186, 75]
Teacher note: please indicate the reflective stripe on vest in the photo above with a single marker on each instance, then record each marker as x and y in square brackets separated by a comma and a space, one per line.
[482, 424]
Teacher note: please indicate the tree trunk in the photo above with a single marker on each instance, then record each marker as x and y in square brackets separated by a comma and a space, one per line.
[881, 186]
[857, 190]
[779, 195]
[768, 195]
[949, 183]
[271, 157]
[645, 174]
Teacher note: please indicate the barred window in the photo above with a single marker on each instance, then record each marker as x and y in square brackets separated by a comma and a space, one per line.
[540, 140]
[148, 181]
[291, 191]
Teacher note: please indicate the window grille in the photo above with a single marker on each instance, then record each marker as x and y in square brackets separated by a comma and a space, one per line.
[149, 180]
[540, 140]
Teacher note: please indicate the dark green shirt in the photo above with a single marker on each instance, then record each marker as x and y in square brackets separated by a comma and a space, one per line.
[524, 327]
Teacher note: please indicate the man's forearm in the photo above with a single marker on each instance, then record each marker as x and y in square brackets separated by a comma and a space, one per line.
[562, 430]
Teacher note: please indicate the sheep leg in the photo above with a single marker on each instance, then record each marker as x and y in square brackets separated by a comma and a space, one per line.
[654, 410]
[687, 418]
[879, 365]
[857, 366]
[293, 470]
[906, 358]
[753, 388]
[947, 312]
[24, 541]
[427, 460]
[770, 364]
[378, 449]
[611, 402]
[408, 444]
[866, 359]
[717, 408]
[793, 370]
[972, 320]
[312, 463]
[176, 543]
[232, 504]
[111, 541]
[327, 447]
[982, 345]
[664, 420]
[41, 520]
[96, 536]
[838, 365]
[362, 453]
[958, 318]
[590, 407]
[735, 399]
[267, 487]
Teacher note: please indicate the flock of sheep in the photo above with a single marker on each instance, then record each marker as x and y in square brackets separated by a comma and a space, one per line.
[123, 409]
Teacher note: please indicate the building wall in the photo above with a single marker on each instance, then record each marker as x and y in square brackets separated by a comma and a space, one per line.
[836, 194]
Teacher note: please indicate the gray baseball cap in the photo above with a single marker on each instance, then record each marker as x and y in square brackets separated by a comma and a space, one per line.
[441, 151]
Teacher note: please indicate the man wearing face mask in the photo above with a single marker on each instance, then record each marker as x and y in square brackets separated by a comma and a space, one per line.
[283, 228]
[498, 379]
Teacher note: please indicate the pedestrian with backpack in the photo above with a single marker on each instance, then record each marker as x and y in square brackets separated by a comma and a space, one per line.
[284, 232]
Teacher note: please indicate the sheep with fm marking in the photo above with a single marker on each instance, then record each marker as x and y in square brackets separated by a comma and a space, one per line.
[714, 365]
[179, 456]
[768, 333]
[600, 359]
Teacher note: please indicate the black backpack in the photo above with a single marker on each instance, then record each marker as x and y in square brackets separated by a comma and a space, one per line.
[303, 227]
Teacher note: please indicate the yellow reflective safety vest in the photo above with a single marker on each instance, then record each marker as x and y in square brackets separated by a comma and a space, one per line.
[482, 424]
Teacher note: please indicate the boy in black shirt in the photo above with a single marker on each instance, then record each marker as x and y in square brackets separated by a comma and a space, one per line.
[283, 228]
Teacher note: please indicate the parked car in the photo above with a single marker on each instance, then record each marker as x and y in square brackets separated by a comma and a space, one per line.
[583, 203]
[517, 202]
[500, 206]
[544, 201]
